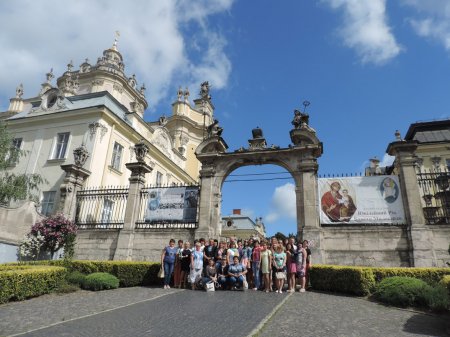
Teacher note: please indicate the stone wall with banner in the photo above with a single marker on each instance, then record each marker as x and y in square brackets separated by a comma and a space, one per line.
[361, 200]
[172, 204]
[363, 221]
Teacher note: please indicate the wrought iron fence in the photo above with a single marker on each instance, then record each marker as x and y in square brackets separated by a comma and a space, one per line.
[101, 207]
[147, 197]
[435, 193]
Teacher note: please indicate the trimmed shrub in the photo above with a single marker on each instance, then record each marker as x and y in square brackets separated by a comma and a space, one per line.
[362, 280]
[20, 282]
[402, 291]
[100, 281]
[351, 280]
[445, 282]
[437, 298]
[129, 273]
[76, 278]
[432, 276]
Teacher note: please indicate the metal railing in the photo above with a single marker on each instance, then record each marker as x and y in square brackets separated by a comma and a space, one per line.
[148, 195]
[435, 192]
[101, 207]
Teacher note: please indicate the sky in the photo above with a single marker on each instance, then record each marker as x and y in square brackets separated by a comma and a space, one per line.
[368, 68]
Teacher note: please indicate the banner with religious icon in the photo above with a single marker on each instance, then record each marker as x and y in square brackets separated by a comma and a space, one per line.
[172, 204]
[361, 200]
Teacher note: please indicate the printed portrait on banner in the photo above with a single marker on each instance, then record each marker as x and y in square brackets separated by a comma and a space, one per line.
[337, 203]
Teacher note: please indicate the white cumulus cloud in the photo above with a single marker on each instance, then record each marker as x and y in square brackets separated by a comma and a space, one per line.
[283, 205]
[365, 29]
[432, 20]
[156, 41]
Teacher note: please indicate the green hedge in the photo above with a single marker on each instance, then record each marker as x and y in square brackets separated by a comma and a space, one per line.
[432, 276]
[129, 273]
[350, 280]
[361, 281]
[18, 282]
[100, 281]
[445, 282]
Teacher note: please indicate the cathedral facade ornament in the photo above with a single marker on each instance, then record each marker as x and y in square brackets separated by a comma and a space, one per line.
[19, 91]
[93, 127]
[118, 88]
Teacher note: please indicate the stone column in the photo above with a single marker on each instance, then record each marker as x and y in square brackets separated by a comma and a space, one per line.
[208, 209]
[308, 223]
[72, 183]
[124, 250]
[421, 249]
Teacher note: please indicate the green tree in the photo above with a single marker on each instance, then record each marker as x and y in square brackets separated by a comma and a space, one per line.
[280, 236]
[14, 186]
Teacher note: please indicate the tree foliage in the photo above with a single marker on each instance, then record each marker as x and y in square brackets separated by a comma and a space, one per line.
[14, 186]
[280, 236]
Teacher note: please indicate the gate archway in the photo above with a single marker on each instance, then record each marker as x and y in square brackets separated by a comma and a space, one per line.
[299, 159]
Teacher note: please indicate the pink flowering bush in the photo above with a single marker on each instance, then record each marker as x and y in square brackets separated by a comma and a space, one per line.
[56, 232]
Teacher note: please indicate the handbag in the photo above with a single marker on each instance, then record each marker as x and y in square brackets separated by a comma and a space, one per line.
[161, 272]
[210, 286]
[280, 275]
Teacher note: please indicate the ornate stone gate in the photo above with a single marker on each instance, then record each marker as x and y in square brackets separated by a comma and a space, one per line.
[299, 159]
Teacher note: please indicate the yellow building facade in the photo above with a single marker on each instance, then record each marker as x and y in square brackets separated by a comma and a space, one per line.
[101, 108]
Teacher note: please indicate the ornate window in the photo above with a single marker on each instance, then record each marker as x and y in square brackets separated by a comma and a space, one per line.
[48, 202]
[117, 156]
[62, 142]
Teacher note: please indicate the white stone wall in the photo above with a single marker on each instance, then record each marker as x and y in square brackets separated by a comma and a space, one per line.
[365, 246]
[147, 245]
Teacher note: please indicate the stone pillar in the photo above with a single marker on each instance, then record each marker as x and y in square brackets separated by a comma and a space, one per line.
[421, 249]
[72, 183]
[308, 221]
[209, 207]
[124, 250]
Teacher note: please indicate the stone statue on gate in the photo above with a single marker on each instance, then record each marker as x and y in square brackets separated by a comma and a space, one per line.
[214, 129]
[300, 119]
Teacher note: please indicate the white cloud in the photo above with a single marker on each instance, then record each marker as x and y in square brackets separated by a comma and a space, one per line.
[387, 160]
[283, 205]
[38, 35]
[248, 212]
[365, 29]
[432, 20]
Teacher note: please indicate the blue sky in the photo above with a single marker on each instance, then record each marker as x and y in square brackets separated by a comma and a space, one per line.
[367, 67]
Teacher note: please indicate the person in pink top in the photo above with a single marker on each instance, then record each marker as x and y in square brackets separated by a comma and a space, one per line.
[291, 266]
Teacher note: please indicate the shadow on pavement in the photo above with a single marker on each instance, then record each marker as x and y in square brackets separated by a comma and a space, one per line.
[427, 325]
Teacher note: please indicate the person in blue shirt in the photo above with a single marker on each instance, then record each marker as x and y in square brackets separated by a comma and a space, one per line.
[168, 261]
[236, 273]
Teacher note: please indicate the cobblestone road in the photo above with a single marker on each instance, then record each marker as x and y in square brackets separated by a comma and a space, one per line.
[164, 313]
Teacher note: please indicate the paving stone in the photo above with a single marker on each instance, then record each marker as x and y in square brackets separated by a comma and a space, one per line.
[185, 313]
[321, 314]
[156, 312]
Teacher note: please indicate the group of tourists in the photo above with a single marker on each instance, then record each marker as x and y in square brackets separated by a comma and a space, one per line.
[268, 265]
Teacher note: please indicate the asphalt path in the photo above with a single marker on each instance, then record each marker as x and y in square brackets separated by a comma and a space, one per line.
[142, 311]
